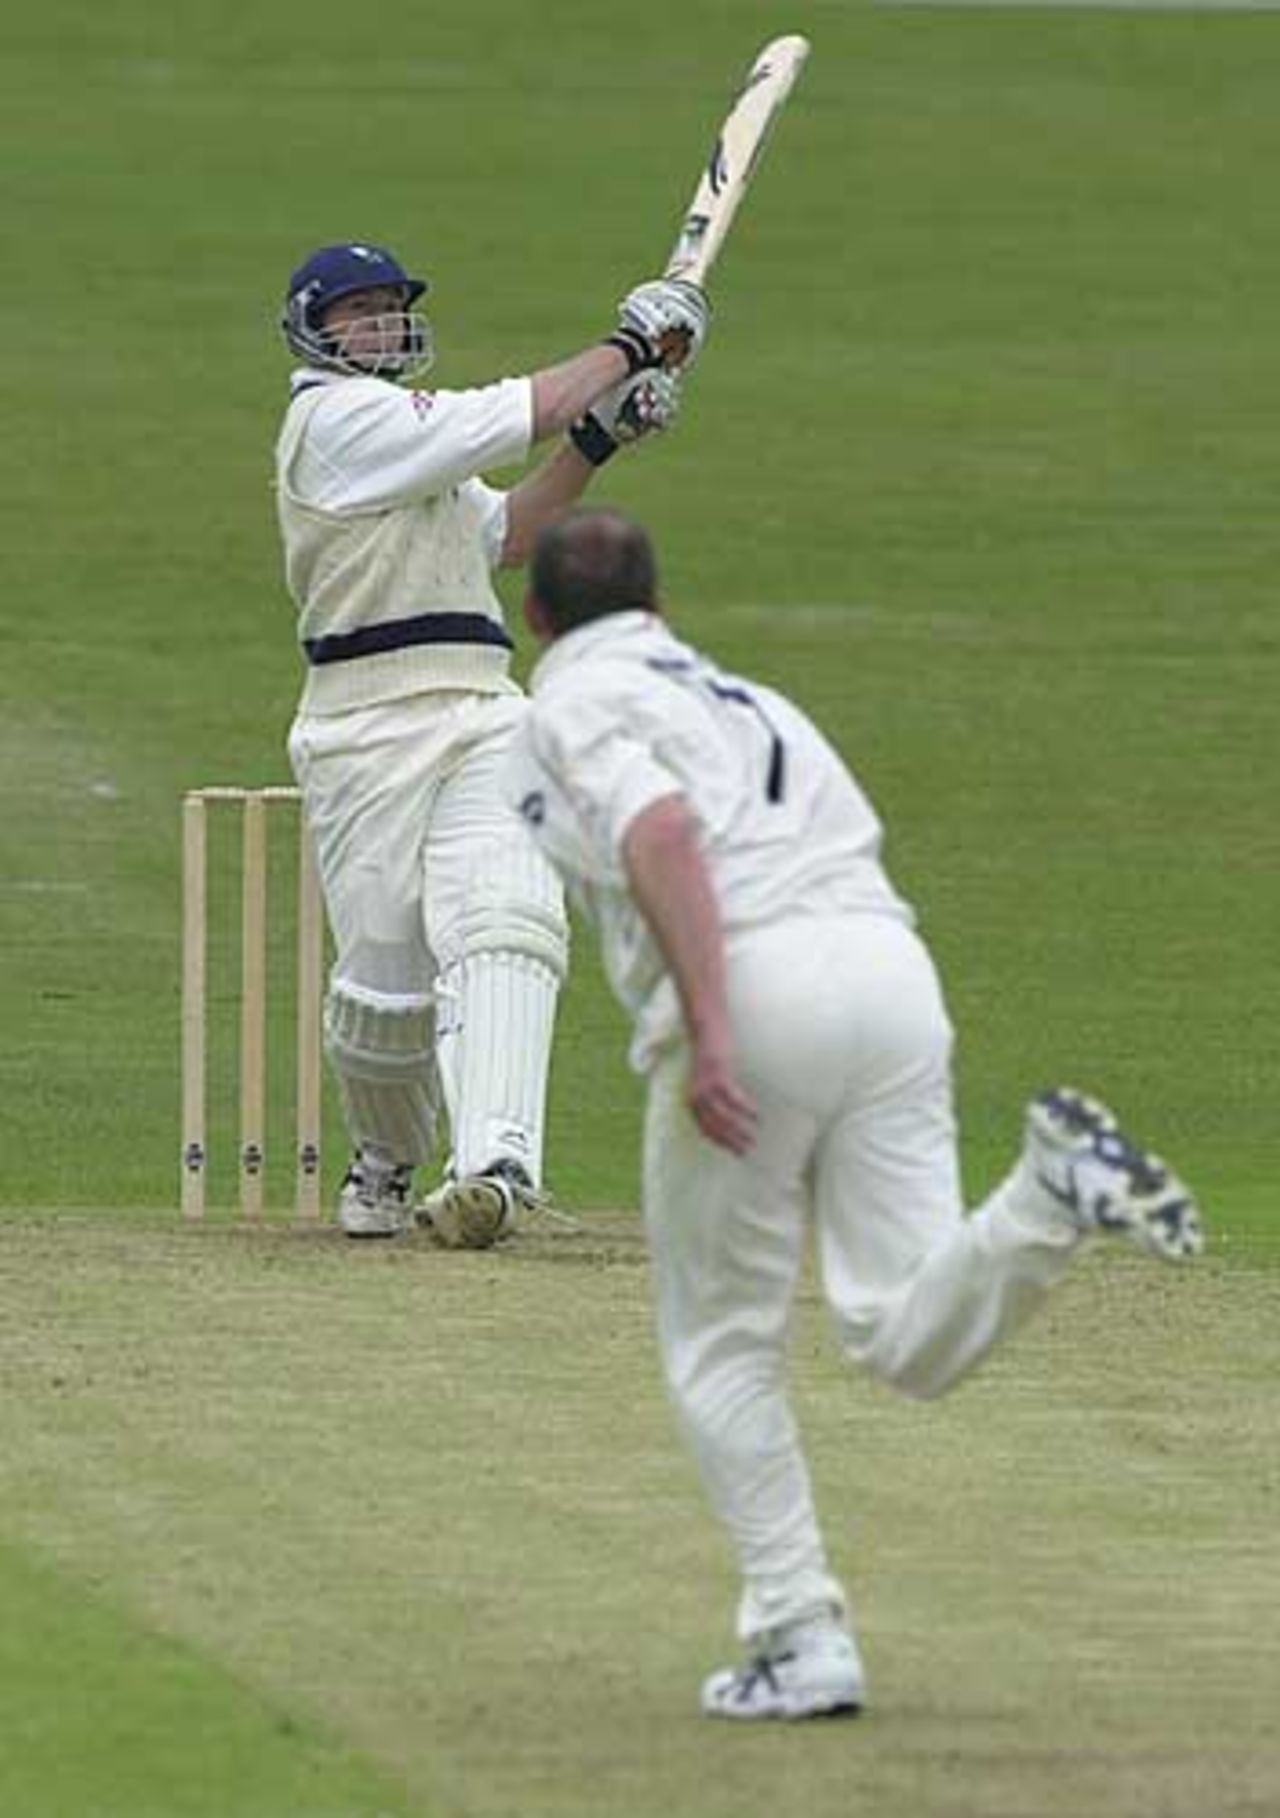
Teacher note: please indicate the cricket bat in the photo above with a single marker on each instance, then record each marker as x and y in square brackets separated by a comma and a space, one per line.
[734, 157]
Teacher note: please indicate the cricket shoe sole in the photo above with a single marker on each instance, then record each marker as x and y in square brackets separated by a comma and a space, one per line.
[1079, 1155]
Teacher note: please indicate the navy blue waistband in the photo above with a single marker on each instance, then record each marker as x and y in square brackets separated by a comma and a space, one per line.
[400, 634]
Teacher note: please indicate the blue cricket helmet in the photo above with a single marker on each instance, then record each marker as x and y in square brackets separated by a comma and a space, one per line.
[336, 271]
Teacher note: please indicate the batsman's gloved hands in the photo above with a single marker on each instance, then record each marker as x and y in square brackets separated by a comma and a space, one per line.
[644, 404]
[662, 323]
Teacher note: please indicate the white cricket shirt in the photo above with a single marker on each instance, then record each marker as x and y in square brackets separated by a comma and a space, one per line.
[390, 536]
[624, 714]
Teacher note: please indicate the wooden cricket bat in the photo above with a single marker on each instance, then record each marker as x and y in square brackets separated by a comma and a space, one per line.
[734, 157]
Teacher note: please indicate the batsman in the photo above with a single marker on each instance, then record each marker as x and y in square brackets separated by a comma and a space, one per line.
[449, 927]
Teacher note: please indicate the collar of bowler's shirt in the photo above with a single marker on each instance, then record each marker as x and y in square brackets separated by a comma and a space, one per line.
[585, 640]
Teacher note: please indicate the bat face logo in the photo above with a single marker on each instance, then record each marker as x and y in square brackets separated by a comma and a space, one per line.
[761, 73]
[692, 234]
[717, 168]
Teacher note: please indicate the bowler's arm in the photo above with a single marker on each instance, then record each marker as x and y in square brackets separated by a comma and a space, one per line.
[672, 889]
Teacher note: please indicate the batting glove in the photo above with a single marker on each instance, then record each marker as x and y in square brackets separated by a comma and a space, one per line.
[642, 405]
[662, 323]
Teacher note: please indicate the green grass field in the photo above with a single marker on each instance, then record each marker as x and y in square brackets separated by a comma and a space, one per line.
[980, 465]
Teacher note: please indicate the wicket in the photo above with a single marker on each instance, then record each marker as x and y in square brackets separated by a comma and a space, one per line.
[254, 805]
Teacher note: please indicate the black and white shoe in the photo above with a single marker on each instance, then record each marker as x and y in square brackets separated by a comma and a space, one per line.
[375, 1202]
[808, 1671]
[1078, 1154]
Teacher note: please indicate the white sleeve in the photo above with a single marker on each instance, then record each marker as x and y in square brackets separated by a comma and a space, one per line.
[369, 445]
[596, 776]
[493, 527]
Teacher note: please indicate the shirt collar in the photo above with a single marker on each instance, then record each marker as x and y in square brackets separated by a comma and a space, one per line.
[586, 640]
[303, 378]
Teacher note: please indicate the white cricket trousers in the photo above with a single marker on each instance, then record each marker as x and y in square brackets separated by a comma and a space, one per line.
[443, 910]
[401, 796]
[843, 1040]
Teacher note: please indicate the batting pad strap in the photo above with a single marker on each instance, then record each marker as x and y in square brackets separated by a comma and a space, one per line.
[536, 935]
[371, 1041]
[514, 905]
[385, 1065]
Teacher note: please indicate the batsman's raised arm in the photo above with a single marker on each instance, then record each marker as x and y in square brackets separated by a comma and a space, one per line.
[609, 395]
[638, 406]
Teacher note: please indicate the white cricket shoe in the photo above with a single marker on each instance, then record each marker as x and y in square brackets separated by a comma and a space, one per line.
[375, 1202]
[810, 1670]
[1077, 1152]
[476, 1212]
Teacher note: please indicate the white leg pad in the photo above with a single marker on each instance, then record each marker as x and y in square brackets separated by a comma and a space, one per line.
[496, 1005]
[498, 1061]
[381, 1050]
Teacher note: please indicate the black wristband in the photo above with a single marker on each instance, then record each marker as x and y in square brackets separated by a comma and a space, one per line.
[592, 440]
[639, 352]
